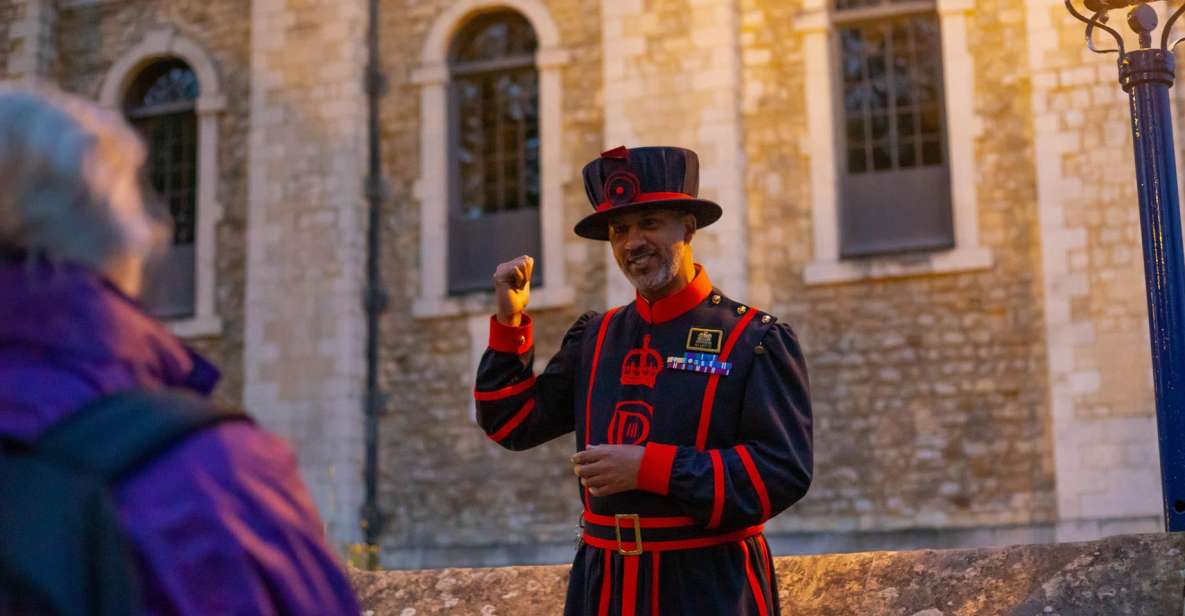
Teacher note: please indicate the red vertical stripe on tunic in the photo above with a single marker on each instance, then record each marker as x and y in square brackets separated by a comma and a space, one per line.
[705, 413]
[717, 489]
[606, 583]
[656, 560]
[592, 379]
[754, 584]
[755, 479]
[629, 587]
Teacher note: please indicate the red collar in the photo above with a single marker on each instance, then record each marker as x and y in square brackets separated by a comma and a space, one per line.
[678, 303]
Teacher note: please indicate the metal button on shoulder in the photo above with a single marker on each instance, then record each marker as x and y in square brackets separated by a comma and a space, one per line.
[742, 309]
[715, 299]
[766, 319]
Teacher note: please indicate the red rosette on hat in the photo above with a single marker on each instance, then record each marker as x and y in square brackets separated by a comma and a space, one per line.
[622, 187]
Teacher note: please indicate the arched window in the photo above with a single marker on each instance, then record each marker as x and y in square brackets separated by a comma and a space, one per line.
[161, 103]
[495, 149]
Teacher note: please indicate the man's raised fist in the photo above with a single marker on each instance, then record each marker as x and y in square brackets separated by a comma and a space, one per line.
[512, 289]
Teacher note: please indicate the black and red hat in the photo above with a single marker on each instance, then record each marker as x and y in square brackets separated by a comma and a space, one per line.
[624, 180]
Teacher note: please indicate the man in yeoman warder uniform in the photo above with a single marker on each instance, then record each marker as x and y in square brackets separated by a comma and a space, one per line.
[691, 410]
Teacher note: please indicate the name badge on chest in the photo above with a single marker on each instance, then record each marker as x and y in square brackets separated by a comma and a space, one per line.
[700, 340]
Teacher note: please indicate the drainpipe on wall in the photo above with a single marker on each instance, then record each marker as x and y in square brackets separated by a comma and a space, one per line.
[375, 296]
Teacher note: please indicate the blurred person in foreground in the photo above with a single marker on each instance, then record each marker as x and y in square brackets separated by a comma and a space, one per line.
[691, 410]
[219, 520]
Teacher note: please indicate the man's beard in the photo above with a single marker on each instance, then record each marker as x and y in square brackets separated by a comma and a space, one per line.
[658, 277]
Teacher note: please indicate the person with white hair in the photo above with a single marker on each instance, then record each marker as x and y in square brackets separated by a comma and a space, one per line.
[212, 509]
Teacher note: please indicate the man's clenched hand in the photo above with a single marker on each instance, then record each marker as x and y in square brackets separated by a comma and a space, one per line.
[609, 469]
[512, 288]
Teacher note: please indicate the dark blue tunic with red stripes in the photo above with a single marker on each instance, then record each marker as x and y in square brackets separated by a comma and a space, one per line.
[717, 393]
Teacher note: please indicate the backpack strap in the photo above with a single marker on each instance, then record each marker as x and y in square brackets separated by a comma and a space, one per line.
[60, 542]
[115, 435]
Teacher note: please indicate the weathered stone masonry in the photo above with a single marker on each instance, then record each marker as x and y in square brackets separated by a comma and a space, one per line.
[304, 368]
[452, 492]
[1101, 402]
[1005, 397]
[928, 393]
[10, 12]
[94, 37]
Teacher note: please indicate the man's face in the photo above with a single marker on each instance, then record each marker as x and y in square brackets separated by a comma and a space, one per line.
[649, 246]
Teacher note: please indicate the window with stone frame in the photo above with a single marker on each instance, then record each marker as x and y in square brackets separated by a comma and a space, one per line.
[894, 188]
[494, 149]
[161, 105]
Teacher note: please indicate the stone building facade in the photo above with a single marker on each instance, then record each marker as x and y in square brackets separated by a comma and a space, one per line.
[995, 391]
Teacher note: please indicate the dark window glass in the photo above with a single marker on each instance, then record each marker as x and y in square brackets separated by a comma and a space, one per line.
[168, 82]
[896, 187]
[161, 105]
[896, 93]
[495, 148]
[498, 37]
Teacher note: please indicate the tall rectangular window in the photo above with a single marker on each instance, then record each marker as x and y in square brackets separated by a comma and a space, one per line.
[895, 176]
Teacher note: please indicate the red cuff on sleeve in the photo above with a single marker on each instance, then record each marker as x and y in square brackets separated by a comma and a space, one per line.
[507, 339]
[655, 473]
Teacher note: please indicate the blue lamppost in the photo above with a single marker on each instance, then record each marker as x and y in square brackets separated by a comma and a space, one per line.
[1146, 74]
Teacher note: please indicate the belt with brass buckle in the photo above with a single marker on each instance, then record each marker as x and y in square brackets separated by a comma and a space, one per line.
[637, 524]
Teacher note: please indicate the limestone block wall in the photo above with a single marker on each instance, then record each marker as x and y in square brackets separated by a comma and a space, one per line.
[28, 52]
[1014, 391]
[10, 12]
[455, 496]
[1102, 404]
[671, 77]
[304, 338]
[929, 390]
[91, 38]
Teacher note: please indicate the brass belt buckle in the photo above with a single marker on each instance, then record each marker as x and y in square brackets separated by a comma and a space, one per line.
[637, 524]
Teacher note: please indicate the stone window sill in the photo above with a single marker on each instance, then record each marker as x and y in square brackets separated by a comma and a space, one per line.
[202, 326]
[482, 302]
[875, 268]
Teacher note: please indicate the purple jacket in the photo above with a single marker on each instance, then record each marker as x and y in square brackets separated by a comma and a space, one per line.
[221, 524]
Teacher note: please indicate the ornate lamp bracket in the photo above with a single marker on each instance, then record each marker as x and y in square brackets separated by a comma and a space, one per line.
[1142, 19]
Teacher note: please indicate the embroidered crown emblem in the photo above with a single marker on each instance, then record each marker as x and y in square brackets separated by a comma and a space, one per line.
[641, 366]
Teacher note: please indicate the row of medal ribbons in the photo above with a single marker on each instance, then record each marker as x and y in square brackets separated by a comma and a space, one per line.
[700, 362]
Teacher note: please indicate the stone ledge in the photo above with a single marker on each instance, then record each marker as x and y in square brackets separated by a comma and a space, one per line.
[1128, 574]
